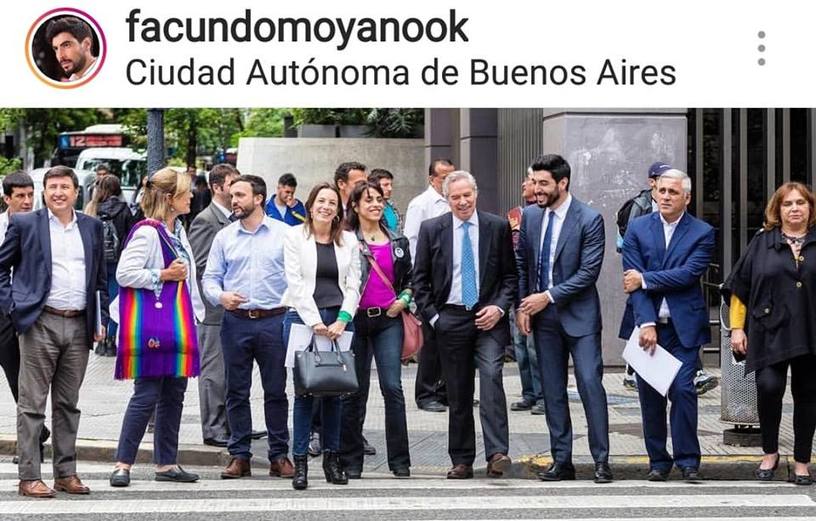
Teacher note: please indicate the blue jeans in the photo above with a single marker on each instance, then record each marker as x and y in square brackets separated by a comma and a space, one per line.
[330, 405]
[379, 338]
[113, 292]
[166, 397]
[244, 341]
[527, 360]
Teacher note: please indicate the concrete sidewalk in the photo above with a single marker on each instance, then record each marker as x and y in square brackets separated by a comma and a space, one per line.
[103, 402]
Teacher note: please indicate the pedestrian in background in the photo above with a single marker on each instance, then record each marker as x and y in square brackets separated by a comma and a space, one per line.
[391, 214]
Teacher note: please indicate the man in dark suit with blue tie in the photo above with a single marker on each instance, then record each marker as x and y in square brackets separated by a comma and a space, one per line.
[58, 265]
[561, 249]
[665, 254]
[464, 285]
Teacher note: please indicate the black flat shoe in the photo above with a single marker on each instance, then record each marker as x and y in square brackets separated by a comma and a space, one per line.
[800, 479]
[120, 478]
[766, 474]
[179, 475]
[401, 472]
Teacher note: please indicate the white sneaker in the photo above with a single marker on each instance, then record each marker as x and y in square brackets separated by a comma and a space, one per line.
[704, 382]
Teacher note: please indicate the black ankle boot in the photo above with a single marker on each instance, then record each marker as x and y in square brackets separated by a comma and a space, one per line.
[333, 470]
[299, 481]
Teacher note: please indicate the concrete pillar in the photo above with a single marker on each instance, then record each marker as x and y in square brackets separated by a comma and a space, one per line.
[440, 137]
[610, 152]
[479, 153]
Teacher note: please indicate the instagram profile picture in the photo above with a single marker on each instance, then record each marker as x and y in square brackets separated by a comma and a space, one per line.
[65, 48]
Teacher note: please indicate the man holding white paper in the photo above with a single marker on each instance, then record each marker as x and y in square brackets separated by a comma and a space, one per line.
[664, 255]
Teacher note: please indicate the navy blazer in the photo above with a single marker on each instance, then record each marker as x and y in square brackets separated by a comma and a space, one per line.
[673, 274]
[27, 250]
[579, 255]
[433, 267]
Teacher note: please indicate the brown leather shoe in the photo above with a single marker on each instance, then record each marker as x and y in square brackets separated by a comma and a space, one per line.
[499, 464]
[237, 468]
[461, 471]
[282, 468]
[71, 485]
[35, 488]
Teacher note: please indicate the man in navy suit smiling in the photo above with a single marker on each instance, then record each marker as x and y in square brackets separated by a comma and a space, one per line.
[664, 255]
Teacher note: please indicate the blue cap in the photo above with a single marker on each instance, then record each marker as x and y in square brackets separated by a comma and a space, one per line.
[657, 169]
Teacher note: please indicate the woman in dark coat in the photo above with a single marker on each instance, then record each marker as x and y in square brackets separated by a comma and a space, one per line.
[772, 291]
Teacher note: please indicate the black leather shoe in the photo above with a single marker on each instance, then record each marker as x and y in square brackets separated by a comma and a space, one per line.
[120, 478]
[558, 472]
[658, 475]
[432, 406]
[401, 472]
[178, 474]
[800, 479]
[257, 435]
[218, 441]
[603, 474]
[691, 475]
[522, 405]
[766, 474]
[354, 473]
[538, 409]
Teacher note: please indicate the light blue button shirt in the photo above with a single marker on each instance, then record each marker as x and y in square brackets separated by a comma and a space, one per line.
[248, 263]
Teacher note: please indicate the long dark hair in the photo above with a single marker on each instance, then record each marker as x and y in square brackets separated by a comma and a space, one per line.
[337, 225]
[360, 191]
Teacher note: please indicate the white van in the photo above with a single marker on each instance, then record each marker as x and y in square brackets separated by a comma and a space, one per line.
[125, 163]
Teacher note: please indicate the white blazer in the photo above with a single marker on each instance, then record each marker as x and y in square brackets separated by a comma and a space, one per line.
[141, 256]
[300, 264]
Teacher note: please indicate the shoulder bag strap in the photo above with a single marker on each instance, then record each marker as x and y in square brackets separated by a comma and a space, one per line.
[380, 272]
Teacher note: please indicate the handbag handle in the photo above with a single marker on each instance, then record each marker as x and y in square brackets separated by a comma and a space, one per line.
[335, 348]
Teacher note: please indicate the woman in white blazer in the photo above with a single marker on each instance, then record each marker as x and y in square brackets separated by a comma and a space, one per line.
[322, 264]
[167, 196]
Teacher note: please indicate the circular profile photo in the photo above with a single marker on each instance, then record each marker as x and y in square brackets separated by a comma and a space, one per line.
[65, 48]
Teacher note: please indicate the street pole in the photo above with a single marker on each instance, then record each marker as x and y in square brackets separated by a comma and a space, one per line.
[155, 140]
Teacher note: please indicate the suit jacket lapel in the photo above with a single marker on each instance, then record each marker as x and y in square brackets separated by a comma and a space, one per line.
[485, 241]
[45, 239]
[446, 246]
[87, 245]
[536, 223]
[570, 221]
[677, 236]
[220, 218]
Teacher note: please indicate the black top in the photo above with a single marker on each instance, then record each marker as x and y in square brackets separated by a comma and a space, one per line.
[780, 296]
[327, 293]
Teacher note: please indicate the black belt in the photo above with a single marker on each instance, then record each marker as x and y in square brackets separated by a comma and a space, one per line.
[253, 314]
[64, 313]
[374, 312]
[457, 307]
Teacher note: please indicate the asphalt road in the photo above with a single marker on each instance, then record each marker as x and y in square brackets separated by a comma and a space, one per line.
[382, 497]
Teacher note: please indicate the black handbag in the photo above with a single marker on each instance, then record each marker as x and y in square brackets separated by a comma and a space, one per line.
[324, 373]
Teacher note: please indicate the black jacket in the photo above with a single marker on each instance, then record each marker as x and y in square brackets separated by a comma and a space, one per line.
[780, 297]
[119, 213]
[400, 254]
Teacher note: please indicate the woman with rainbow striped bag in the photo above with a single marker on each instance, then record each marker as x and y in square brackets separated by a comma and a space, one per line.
[157, 306]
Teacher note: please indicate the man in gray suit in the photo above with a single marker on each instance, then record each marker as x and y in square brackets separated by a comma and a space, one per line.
[211, 386]
[560, 252]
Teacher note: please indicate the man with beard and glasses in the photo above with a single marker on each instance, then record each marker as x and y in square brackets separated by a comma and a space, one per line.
[245, 275]
[560, 252]
[71, 40]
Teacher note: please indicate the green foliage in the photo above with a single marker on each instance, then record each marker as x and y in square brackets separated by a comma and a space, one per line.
[261, 123]
[9, 165]
[44, 125]
[329, 116]
[395, 123]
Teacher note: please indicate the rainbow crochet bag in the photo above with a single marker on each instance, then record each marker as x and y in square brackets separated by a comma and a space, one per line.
[157, 335]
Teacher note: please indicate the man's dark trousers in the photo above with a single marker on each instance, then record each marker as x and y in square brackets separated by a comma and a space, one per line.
[10, 354]
[683, 415]
[554, 347]
[429, 386]
[244, 340]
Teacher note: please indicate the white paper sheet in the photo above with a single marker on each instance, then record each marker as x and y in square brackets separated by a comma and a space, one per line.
[300, 336]
[659, 369]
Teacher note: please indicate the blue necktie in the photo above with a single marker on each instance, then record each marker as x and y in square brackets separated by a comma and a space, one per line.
[544, 255]
[470, 296]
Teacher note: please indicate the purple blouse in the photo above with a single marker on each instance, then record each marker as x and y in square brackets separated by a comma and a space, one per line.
[376, 293]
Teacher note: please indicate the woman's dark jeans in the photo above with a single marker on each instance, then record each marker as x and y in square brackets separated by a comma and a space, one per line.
[379, 338]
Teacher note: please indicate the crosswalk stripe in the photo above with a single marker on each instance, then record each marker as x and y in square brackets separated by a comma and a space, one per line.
[311, 504]
[215, 485]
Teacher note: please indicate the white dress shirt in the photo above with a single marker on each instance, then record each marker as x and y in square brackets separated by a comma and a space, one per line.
[560, 214]
[67, 265]
[455, 295]
[427, 205]
[668, 232]
[4, 222]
